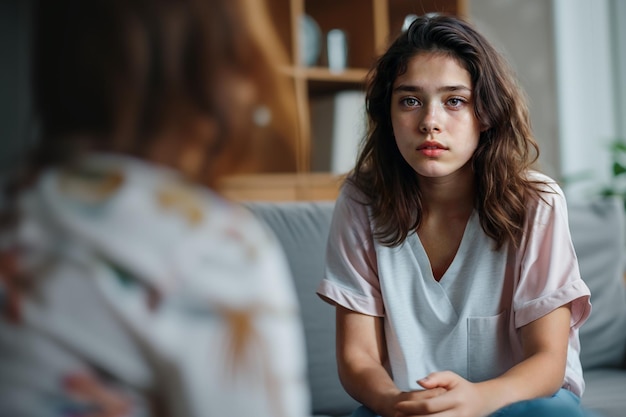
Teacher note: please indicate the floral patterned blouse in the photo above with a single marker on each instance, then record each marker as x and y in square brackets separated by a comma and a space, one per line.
[161, 289]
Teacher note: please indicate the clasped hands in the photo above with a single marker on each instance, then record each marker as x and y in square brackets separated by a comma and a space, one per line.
[445, 394]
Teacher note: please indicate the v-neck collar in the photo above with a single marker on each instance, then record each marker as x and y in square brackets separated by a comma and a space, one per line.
[424, 262]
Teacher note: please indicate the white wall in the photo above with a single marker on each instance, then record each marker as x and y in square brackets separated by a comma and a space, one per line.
[618, 13]
[522, 31]
[586, 91]
[565, 55]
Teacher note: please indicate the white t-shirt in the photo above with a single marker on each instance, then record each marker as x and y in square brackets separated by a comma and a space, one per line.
[164, 287]
[469, 321]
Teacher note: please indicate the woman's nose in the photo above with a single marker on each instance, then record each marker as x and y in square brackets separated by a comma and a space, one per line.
[430, 120]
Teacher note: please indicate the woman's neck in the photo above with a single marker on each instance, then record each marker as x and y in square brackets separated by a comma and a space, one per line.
[452, 195]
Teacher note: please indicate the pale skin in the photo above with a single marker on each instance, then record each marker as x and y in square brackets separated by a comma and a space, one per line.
[437, 133]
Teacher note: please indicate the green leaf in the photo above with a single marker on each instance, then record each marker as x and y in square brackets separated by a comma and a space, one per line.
[607, 192]
[618, 146]
[618, 169]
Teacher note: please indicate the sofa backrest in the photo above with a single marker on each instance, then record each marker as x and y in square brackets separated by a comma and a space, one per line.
[302, 228]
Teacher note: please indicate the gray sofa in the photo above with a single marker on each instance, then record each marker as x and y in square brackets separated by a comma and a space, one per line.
[598, 233]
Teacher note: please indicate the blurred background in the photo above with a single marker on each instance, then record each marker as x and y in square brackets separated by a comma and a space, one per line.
[570, 57]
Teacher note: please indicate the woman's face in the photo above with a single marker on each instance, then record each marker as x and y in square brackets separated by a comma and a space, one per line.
[432, 115]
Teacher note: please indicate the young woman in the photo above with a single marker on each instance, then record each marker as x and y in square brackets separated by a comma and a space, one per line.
[449, 260]
[128, 287]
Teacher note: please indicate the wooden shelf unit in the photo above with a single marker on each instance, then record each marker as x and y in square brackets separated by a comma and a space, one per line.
[369, 25]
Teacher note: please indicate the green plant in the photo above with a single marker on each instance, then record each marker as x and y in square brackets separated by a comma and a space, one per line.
[617, 185]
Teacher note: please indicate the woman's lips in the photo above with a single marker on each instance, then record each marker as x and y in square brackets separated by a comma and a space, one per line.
[431, 149]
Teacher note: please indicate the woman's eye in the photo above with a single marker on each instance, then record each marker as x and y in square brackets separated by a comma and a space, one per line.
[410, 102]
[456, 102]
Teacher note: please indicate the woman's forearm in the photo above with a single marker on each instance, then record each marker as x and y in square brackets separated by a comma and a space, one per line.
[543, 371]
[361, 353]
[369, 384]
[537, 376]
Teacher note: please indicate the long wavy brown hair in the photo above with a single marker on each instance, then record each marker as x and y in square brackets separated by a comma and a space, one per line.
[505, 152]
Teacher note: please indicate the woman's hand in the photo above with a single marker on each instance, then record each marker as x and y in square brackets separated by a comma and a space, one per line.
[454, 397]
[94, 399]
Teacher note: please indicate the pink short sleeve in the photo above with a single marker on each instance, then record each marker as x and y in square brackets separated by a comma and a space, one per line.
[549, 274]
[351, 276]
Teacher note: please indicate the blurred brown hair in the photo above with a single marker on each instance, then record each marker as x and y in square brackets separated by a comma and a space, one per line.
[173, 81]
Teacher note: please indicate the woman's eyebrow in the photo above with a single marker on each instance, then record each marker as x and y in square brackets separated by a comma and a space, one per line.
[408, 88]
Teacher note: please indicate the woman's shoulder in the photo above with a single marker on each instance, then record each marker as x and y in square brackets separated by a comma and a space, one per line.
[149, 219]
[352, 202]
[548, 189]
[121, 189]
[547, 183]
[352, 195]
[548, 201]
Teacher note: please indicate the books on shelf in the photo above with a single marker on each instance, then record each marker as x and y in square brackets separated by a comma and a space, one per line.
[338, 123]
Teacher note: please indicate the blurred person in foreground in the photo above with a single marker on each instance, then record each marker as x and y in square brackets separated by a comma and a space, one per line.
[128, 287]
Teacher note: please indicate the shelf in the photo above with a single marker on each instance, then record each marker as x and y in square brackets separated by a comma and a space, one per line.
[369, 26]
[353, 75]
[323, 81]
[356, 75]
[281, 187]
[355, 18]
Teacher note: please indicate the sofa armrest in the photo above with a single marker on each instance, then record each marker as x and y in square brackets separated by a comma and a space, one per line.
[598, 233]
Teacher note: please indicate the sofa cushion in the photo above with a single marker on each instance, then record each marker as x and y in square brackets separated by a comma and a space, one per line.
[598, 235]
[605, 392]
[302, 229]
